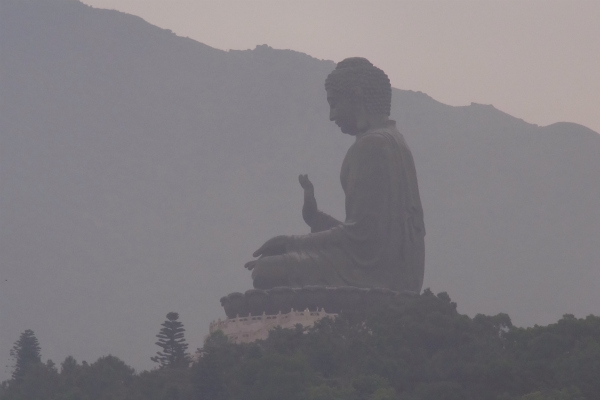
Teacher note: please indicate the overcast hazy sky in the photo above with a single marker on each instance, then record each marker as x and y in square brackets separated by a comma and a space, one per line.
[536, 60]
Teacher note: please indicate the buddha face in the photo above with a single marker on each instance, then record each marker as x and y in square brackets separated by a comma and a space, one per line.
[344, 111]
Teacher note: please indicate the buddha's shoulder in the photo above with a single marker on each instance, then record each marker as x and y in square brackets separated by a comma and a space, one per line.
[375, 136]
[379, 138]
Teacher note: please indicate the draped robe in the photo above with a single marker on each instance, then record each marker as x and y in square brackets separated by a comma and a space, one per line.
[381, 241]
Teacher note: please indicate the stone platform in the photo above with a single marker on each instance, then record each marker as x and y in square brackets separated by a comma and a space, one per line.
[251, 328]
[252, 314]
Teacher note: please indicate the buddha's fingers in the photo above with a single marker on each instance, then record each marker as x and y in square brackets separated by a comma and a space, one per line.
[305, 182]
[250, 265]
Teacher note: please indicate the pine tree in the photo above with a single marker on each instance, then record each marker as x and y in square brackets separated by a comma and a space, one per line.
[172, 342]
[25, 352]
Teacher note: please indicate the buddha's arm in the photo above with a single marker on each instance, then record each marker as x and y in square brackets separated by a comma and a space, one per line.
[367, 201]
[317, 220]
[322, 222]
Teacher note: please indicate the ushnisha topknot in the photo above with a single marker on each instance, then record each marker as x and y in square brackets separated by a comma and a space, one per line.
[373, 82]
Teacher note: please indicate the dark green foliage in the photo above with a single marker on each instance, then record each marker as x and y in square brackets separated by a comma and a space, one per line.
[26, 353]
[172, 341]
[108, 378]
[37, 383]
[418, 349]
[164, 384]
[211, 374]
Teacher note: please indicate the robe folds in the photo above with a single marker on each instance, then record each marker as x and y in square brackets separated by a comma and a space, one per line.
[381, 241]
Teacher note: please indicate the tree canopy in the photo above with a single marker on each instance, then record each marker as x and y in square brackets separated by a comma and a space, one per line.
[25, 353]
[172, 341]
[418, 349]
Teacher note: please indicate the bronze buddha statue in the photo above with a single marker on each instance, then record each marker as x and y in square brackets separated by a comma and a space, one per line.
[381, 241]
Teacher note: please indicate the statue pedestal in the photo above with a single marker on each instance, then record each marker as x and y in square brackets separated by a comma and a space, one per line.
[251, 328]
[251, 315]
[332, 299]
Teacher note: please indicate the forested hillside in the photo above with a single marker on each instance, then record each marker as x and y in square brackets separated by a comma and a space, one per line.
[140, 170]
[419, 349]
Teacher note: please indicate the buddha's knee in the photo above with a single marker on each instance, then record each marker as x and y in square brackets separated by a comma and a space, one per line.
[268, 274]
[260, 280]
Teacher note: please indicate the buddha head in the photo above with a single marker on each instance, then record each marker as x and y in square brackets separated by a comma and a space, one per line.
[359, 95]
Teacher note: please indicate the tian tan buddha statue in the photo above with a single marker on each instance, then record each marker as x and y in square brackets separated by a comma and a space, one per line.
[380, 244]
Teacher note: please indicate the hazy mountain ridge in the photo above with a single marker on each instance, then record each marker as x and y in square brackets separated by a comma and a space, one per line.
[140, 169]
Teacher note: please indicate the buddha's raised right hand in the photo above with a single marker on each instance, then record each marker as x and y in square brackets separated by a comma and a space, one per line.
[309, 209]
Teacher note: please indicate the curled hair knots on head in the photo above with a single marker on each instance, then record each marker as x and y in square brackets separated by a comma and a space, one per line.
[373, 82]
[354, 62]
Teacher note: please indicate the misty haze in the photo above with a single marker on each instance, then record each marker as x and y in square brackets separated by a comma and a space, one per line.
[140, 170]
